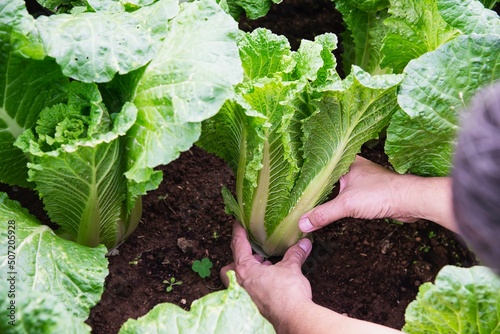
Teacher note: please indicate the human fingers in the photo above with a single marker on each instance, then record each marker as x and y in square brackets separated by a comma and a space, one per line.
[323, 215]
[223, 273]
[298, 253]
[242, 250]
[232, 266]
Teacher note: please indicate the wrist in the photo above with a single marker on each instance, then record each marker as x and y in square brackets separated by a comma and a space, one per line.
[406, 189]
[289, 318]
[426, 198]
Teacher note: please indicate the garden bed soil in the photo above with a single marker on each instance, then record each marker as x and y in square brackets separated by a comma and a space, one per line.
[367, 269]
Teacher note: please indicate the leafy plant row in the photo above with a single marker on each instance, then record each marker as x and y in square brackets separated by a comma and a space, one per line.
[97, 95]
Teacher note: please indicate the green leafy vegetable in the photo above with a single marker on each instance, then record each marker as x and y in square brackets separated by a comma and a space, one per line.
[292, 130]
[253, 9]
[45, 263]
[436, 90]
[142, 80]
[462, 300]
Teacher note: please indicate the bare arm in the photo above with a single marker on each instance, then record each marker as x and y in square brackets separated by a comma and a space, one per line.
[317, 319]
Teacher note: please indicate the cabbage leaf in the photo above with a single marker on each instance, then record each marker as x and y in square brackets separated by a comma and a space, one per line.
[228, 311]
[461, 300]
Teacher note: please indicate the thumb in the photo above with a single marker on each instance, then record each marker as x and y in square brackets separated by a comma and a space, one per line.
[321, 215]
[223, 273]
[298, 253]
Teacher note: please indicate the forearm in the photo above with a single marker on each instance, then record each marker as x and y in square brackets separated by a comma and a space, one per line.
[312, 318]
[427, 198]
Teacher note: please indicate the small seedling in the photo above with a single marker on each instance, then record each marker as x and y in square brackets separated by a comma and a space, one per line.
[170, 283]
[202, 267]
[135, 261]
[162, 197]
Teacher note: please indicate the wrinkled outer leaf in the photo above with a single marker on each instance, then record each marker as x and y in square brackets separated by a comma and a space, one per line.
[227, 311]
[93, 47]
[187, 82]
[253, 9]
[91, 169]
[26, 86]
[363, 38]
[415, 27]
[17, 29]
[462, 300]
[263, 53]
[435, 91]
[371, 5]
[38, 312]
[44, 262]
[469, 16]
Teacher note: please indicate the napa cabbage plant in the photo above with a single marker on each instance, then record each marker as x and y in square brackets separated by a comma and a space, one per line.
[291, 130]
[461, 300]
[446, 49]
[95, 97]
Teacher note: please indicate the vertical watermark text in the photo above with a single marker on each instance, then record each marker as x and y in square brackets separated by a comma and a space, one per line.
[11, 272]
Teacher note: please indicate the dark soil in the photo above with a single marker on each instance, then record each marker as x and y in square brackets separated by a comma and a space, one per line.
[369, 270]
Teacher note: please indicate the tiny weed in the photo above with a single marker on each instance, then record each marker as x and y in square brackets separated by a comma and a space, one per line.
[425, 248]
[162, 197]
[170, 283]
[202, 267]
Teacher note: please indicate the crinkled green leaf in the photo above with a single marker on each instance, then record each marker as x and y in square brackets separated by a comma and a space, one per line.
[44, 262]
[94, 46]
[26, 86]
[469, 16]
[316, 62]
[370, 5]
[91, 167]
[17, 30]
[435, 91]
[227, 311]
[363, 36]
[462, 300]
[253, 9]
[37, 312]
[263, 54]
[120, 5]
[187, 82]
[415, 27]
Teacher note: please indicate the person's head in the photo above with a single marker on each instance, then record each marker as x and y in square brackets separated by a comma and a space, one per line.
[476, 177]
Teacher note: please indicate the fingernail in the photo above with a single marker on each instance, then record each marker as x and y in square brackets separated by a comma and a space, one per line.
[305, 225]
[305, 244]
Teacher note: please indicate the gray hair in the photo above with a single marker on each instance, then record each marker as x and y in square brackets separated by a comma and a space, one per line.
[476, 177]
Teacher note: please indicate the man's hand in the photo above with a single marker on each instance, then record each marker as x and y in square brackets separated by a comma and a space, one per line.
[283, 295]
[367, 191]
[278, 290]
[370, 191]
